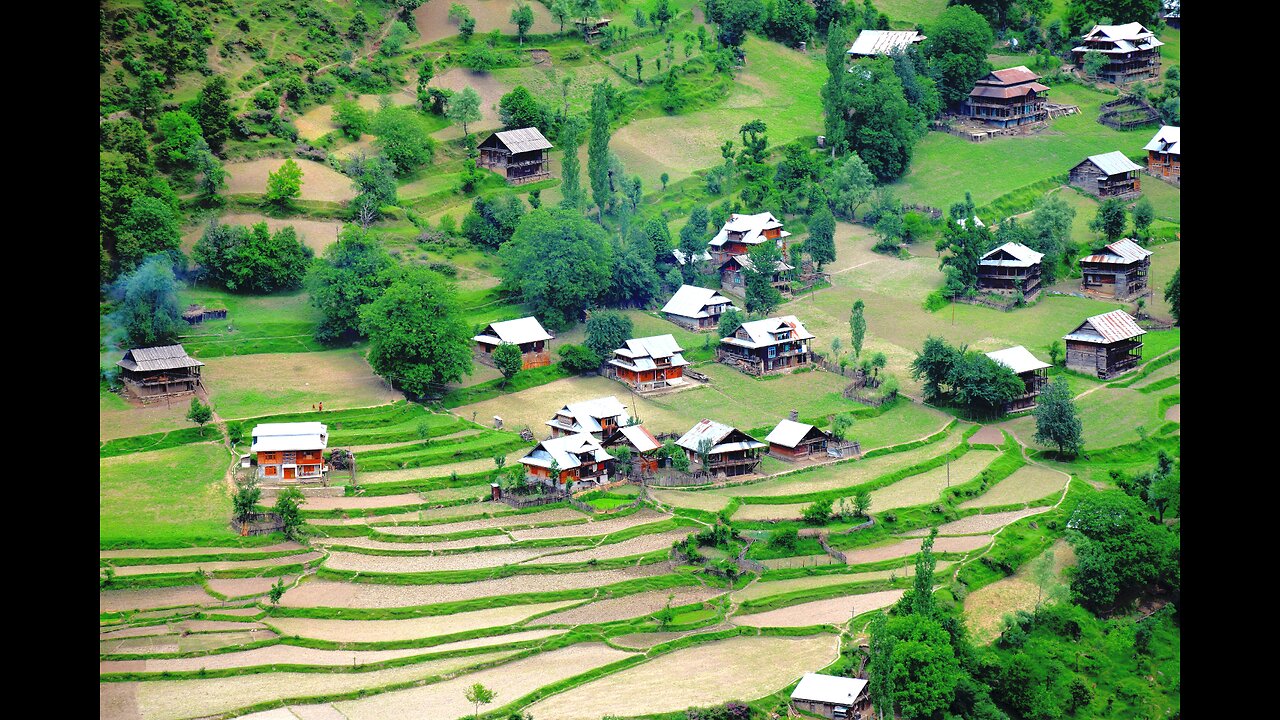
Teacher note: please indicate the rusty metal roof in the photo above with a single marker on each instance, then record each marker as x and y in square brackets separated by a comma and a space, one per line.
[1007, 92]
[1109, 327]
[1013, 75]
[1120, 252]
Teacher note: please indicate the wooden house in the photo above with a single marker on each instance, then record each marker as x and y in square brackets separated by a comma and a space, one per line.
[743, 232]
[599, 418]
[581, 460]
[1133, 52]
[528, 333]
[791, 440]
[733, 275]
[873, 43]
[518, 155]
[1171, 13]
[591, 27]
[696, 308]
[648, 363]
[1010, 268]
[290, 451]
[1107, 175]
[1032, 372]
[731, 452]
[1164, 154]
[761, 347]
[1008, 98]
[157, 372]
[1105, 345]
[642, 444]
[832, 696]
[1119, 271]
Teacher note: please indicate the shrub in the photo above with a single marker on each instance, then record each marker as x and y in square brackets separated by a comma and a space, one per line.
[578, 359]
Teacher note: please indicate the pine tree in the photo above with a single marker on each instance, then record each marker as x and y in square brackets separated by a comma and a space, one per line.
[598, 147]
[857, 326]
[570, 166]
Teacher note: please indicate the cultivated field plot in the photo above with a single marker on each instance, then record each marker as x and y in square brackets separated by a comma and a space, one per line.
[117, 418]
[629, 606]
[434, 471]
[603, 526]
[626, 548]
[490, 88]
[928, 486]
[433, 563]
[316, 234]
[180, 552]
[835, 611]
[705, 674]
[433, 21]
[364, 542]
[263, 564]
[176, 699]
[690, 499]
[325, 593]
[984, 607]
[988, 435]
[174, 496]
[246, 587]
[319, 181]
[508, 517]
[365, 631]
[254, 385]
[975, 524]
[364, 503]
[283, 322]
[758, 589]
[911, 547]
[118, 600]
[1028, 483]
[178, 643]
[770, 512]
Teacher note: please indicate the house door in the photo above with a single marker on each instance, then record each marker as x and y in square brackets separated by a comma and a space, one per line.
[289, 473]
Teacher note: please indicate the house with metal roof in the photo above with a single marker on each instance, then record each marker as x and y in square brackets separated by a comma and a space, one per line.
[1008, 98]
[1164, 154]
[1107, 175]
[599, 418]
[740, 233]
[569, 462]
[696, 308]
[648, 364]
[290, 451]
[872, 43]
[730, 451]
[528, 333]
[1132, 52]
[792, 440]
[772, 345]
[149, 374]
[1031, 371]
[642, 444]
[1010, 269]
[1105, 345]
[1118, 271]
[518, 155]
[733, 277]
[831, 696]
[1171, 13]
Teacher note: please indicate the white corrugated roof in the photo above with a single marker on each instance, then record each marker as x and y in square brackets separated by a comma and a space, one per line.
[1023, 256]
[1114, 163]
[524, 140]
[271, 437]
[788, 433]
[1018, 359]
[744, 261]
[976, 221]
[564, 451]
[692, 301]
[586, 414]
[705, 428]
[829, 689]
[642, 439]
[679, 255]
[883, 42]
[759, 331]
[752, 227]
[1168, 140]
[516, 332]
[1126, 38]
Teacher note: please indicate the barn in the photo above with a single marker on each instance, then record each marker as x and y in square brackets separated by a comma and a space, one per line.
[831, 696]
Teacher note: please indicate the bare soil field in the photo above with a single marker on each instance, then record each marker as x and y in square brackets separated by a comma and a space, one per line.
[834, 611]
[490, 89]
[361, 503]
[603, 526]
[117, 600]
[387, 630]
[315, 123]
[1174, 413]
[634, 546]
[628, 606]
[701, 675]
[928, 486]
[911, 547]
[242, 386]
[129, 570]
[319, 181]
[323, 593]
[280, 655]
[506, 519]
[316, 234]
[511, 680]
[688, 499]
[434, 24]
[205, 642]
[176, 699]
[770, 512]
[988, 435]
[1030, 482]
[363, 542]
[432, 563]
[777, 587]
[985, 607]
[117, 418]
[246, 587]
[979, 523]
[177, 552]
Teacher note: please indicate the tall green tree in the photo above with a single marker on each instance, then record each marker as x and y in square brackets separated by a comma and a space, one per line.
[598, 147]
[148, 307]
[821, 243]
[1119, 550]
[607, 331]
[252, 259]
[520, 109]
[934, 363]
[967, 245]
[559, 263]
[1173, 295]
[1143, 215]
[150, 226]
[403, 137]
[982, 385]
[1050, 227]
[835, 98]
[857, 326]
[693, 240]
[287, 509]
[199, 413]
[284, 186]
[417, 337]
[882, 127]
[1057, 422]
[493, 220]
[734, 18]
[522, 18]
[880, 686]
[353, 272]
[508, 360]
[956, 50]
[850, 186]
[1110, 220]
[179, 142]
[350, 119]
[762, 296]
[213, 112]
[730, 320]
[570, 166]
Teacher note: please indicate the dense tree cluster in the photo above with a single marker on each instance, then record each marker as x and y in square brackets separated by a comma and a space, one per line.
[559, 263]
[969, 378]
[492, 221]
[147, 309]
[417, 338]
[244, 259]
[353, 272]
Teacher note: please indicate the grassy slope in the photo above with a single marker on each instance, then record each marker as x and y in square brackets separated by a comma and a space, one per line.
[167, 496]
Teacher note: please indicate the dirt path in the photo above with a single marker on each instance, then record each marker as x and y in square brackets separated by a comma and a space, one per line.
[1108, 384]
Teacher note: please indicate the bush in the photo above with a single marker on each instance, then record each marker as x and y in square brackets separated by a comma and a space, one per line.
[578, 359]
[819, 513]
[785, 539]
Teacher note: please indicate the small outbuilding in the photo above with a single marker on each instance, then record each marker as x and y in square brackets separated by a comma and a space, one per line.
[518, 155]
[1108, 175]
[1119, 271]
[640, 441]
[156, 372]
[831, 696]
[696, 308]
[1010, 269]
[527, 332]
[1105, 345]
[1032, 372]
[792, 440]
[731, 452]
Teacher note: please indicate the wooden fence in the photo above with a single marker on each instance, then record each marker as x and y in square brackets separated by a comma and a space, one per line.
[822, 540]
[671, 477]
[520, 503]
[258, 524]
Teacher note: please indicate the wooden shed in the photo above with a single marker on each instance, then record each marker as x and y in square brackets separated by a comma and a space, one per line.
[832, 696]
[1108, 175]
[1105, 345]
[1119, 271]
[528, 333]
[792, 440]
[518, 155]
[1031, 371]
[156, 372]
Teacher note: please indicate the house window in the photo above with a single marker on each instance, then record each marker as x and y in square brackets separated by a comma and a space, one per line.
[773, 352]
[269, 470]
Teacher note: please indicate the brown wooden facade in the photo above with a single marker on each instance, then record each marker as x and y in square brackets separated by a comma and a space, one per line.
[516, 165]
[151, 374]
[1001, 273]
[734, 245]
[532, 354]
[813, 444]
[291, 465]
[1008, 98]
[1095, 181]
[1102, 359]
[1114, 275]
[1131, 50]
[1033, 382]
[1165, 165]
[730, 463]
